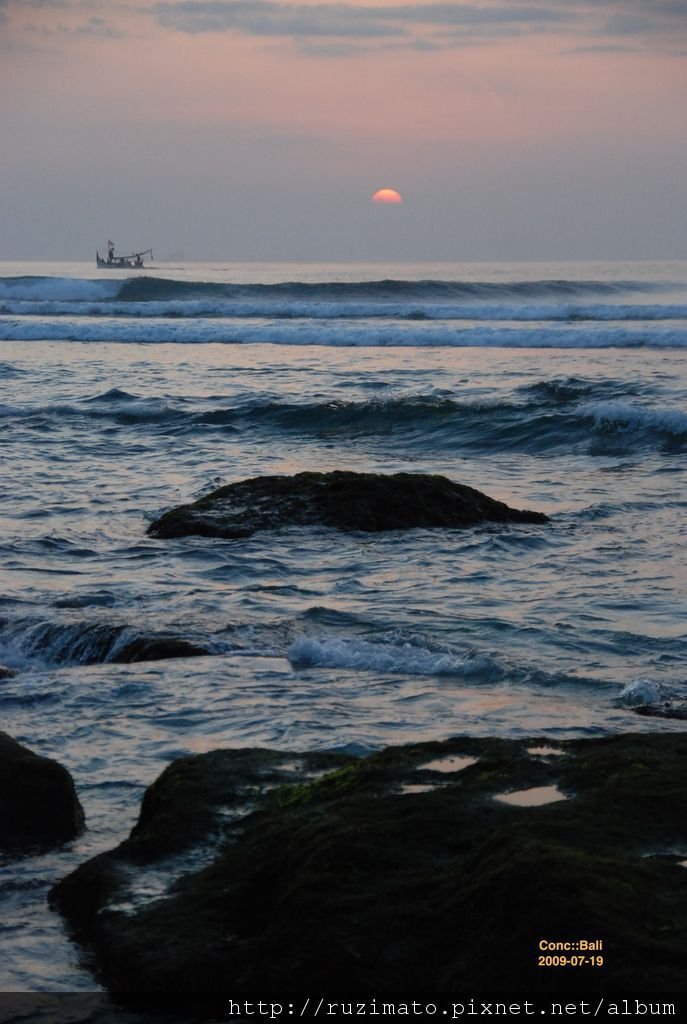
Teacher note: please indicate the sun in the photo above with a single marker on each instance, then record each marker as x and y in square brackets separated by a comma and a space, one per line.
[387, 195]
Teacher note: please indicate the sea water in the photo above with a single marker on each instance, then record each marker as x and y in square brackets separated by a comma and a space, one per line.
[556, 387]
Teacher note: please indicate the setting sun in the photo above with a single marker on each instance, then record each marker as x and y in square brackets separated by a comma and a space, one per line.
[387, 195]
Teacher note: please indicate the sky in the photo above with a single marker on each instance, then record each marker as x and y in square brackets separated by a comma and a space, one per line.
[259, 129]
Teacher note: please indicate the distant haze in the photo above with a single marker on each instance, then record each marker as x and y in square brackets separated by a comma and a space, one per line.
[259, 130]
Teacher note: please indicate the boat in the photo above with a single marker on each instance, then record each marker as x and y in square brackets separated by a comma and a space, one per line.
[134, 261]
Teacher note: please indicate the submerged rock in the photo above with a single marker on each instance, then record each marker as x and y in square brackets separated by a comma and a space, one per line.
[38, 802]
[344, 500]
[7, 673]
[400, 870]
[96, 642]
[666, 709]
[156, 648]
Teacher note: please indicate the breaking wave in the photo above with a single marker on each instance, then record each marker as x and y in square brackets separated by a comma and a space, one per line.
[148, 289]
[550, 313]
[623, 415]
[51, 643]
[337, 652]
[340, 333]
[543, 416]
[57, 289]
[274, 309]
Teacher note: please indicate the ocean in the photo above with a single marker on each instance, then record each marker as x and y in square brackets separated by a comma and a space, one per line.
[557, 387]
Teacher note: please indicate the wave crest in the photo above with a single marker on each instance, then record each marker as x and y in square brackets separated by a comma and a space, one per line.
[406, 658]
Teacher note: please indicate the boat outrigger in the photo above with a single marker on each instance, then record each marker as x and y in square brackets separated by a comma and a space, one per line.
[134, 260]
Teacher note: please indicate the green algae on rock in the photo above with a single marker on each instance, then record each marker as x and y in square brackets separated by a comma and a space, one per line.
[348, 881]
[38, 803]
[344, 500]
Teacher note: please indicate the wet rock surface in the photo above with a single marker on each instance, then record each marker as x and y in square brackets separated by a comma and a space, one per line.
[157, 648]
[7, 673]
[92, 642]
[38, 803]
[665, 709]
[398, 870]
[346, 501]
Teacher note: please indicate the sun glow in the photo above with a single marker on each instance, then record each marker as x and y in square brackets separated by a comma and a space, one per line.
[387, 195]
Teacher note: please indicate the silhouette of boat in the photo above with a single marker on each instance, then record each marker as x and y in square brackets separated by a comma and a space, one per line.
[133, 261]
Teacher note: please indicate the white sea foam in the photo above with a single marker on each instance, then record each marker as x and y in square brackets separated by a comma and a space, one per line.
[340, 333]
[335, 652]
[630, 416]
[90, 300]
[641, 691]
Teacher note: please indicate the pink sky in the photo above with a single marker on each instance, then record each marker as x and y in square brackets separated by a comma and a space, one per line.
[232, 129]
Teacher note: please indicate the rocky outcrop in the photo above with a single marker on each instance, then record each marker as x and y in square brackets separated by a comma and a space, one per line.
[7, 673]
[344, 500]
[38, 802]
[437, 867]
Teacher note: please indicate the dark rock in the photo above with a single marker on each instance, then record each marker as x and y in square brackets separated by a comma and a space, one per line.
[346, 501]
[38, 802]
[668, 709]
[92, 643]
[7, 673]
[392, 873]
[156, 648]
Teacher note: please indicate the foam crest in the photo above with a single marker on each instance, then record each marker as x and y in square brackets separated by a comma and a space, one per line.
[352, 310]
[628, 416]
[337, 333]
[640, 692]
[337, 652]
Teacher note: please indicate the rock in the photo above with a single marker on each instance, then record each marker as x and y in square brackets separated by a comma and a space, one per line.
[156, 648]
[666, 709]
[398, 871]
[346, 501]
[7, 673]
[97, 642]
[38, 802]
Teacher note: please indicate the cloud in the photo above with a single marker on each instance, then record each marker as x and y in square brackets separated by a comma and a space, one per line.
[98, 27]
[341, 28]
[348, 21]
[623, 18]
[49, 18]
[265, 18]
[645, 23]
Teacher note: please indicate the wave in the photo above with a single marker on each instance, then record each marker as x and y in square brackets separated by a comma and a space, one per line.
[564, 390]
[551, 415]
[8, 371]
[617, 414]
[337, 652]
[25, 642]
[62, 289]
[313, 310]
[341, 333]
[145, 289]
[640, 692]
[392, 655]
[151, 289]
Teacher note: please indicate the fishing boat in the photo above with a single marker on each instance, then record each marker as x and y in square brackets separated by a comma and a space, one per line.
[133, 261]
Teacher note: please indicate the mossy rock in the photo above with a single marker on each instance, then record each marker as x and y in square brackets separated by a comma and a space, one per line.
[360, 879]
[347, 501]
